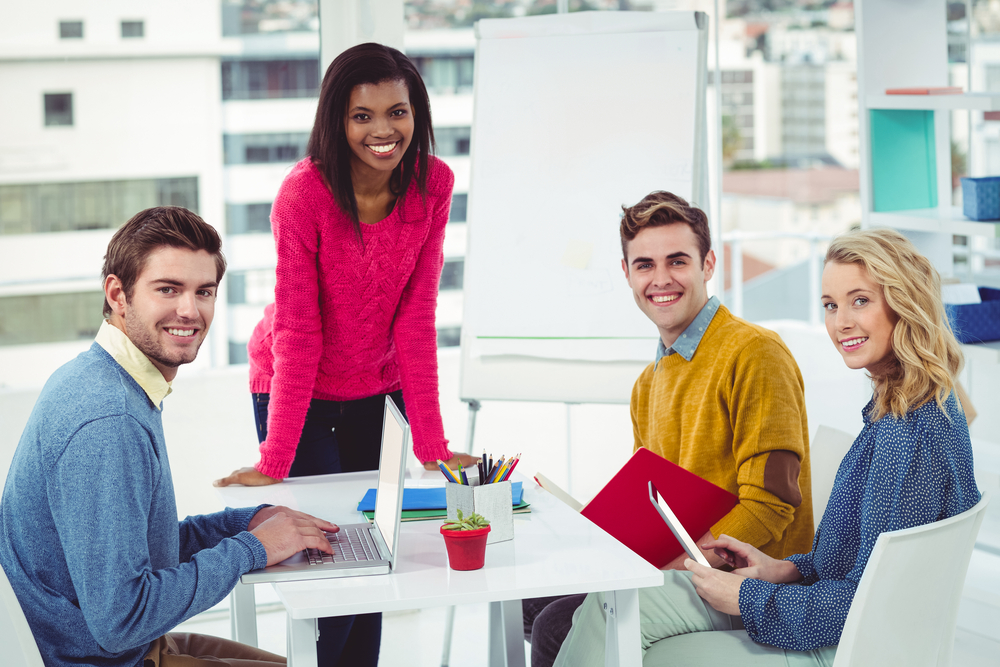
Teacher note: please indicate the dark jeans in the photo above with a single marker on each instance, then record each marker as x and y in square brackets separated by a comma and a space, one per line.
[339, 436]
[547, 621]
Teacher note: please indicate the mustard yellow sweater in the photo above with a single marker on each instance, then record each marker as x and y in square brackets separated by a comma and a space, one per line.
[735, 415]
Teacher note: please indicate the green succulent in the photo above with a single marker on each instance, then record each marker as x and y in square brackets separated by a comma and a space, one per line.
[471, 522]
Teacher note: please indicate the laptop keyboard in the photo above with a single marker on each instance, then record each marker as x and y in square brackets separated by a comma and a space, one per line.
[349, 545]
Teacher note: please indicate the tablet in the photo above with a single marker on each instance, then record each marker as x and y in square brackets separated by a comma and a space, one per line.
[693, 552]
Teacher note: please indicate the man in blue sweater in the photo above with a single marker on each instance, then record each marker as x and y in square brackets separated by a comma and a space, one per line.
[89, 536]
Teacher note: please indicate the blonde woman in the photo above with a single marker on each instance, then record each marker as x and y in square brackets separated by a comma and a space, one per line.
[911, 465]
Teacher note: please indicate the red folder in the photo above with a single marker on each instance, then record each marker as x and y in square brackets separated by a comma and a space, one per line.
[622, 508]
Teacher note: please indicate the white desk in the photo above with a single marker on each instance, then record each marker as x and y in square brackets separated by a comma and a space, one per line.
[555, 551]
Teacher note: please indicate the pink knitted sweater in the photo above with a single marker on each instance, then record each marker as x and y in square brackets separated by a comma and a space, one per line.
[349, 322]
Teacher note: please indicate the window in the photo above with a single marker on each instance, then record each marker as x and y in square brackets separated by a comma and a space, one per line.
[459, 208]
[261, 148]
[50, 318]
[33, 208]
[452, 141]
[449, 336]
[236, 287]
[131, 29]
[255, 288]
[248, 218]
[269, 79]
[446, 74]
[238, 353]
[58, 109]
[71, 30]
[452, 274]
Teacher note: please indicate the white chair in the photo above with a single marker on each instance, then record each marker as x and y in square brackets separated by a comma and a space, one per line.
[827, 450]
[18, 645]
[906, 605]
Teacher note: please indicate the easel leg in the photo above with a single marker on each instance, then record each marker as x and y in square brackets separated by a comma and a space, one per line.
[470, 432]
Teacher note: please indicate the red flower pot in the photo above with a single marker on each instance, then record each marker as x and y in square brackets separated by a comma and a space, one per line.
[466, 548]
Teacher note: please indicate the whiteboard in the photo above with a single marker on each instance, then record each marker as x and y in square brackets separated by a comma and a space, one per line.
[575, 115]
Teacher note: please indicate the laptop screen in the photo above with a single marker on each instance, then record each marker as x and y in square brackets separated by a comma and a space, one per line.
[390, 475]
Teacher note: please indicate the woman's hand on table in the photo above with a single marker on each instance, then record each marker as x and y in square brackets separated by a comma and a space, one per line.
[247, 477]
[467, 460]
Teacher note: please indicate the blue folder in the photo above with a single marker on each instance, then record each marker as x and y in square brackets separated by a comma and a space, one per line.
[429, 499]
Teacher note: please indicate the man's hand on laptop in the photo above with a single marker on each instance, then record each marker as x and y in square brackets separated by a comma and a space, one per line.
[285, 532]
[247, 477]
[467, 460]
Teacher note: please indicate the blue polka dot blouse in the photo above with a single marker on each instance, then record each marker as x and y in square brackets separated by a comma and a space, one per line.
[899, 473]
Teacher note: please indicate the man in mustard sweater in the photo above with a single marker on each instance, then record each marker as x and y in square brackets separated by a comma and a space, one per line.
[723, 398]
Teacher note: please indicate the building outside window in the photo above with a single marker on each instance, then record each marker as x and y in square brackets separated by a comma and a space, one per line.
[270, 79]
[33, 208]
[132, 29]
[71, 30]
[446, 74]
[452, 141]
[459, 208]
[50, 318]
[58, 109]
[449, 336]
[262, 148]
[253, 288]
[248, 218]
[452, 274]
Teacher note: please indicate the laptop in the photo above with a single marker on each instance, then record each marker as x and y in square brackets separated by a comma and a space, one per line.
[675, 526]
[360, 549]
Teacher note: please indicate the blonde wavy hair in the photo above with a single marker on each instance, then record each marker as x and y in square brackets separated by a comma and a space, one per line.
[927, 356]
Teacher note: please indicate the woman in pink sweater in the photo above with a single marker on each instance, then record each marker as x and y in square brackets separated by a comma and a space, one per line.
[359, 228]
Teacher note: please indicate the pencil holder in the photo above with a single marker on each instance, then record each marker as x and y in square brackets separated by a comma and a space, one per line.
[490, 501]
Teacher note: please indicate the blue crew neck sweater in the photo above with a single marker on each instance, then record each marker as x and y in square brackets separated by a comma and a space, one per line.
[89, 535]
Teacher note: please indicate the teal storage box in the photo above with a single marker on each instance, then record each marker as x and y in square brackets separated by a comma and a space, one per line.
[977, 322]
[904, 165]
[981, 198]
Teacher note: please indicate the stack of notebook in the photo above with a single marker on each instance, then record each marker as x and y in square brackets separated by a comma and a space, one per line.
[424, 504]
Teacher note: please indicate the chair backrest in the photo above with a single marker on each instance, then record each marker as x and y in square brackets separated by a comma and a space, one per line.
[906, 605]
[18, 644]
[827, 450]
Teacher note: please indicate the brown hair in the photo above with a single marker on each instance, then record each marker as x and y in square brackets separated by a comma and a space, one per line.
[153, 228]
[927, 356]
[664, 208]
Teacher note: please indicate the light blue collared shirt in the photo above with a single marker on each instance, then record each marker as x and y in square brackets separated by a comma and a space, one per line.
[687, 343]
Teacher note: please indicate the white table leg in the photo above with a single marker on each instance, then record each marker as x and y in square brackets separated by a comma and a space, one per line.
[622, 648]
[506, 637]
[302, 636]
[243, 615]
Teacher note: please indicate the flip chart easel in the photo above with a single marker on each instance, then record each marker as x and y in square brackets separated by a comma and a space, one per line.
[575, 115]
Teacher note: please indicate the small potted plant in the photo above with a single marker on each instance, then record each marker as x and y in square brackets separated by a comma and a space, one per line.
[465, 539]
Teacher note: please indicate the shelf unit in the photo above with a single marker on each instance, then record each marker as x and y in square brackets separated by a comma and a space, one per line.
[974, 101]
[904, 44]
